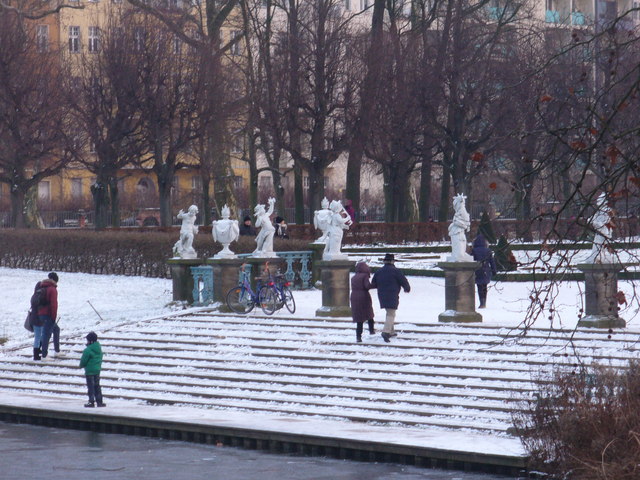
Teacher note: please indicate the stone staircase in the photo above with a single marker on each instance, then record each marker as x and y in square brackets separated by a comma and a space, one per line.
[443, 376]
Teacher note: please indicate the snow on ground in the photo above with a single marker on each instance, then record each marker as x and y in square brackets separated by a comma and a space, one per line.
[120, 299]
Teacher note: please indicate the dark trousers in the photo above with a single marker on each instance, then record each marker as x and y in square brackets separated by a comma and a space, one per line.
[48, 328]
[56, 337]
[482, 294]
[359, 327]
[93, 388]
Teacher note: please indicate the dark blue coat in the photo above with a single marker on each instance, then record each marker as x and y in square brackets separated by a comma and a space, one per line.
[388, 280]
[482, 253]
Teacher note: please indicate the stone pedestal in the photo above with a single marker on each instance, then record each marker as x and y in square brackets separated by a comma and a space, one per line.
[336, 287]
[601, 286]
[317, 249]
[226, 274]
[459, 292]
[181, 277]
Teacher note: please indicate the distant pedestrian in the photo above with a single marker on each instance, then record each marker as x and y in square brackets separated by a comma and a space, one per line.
[348, 207]
[281, 228]
[246, 228]
[389, 280]
[91, 361]
[361, 304]
[47, 314]
[483, 254]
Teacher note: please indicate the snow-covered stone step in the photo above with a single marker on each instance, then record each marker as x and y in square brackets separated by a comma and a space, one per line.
[451, 330]
[230, 378]
[399, 396]
[442, 419]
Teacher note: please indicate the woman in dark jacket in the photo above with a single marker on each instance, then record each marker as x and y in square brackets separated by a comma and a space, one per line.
[482, 253]
[361, 304]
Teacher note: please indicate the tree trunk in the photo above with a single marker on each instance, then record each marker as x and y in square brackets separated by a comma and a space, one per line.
[18, 219]
[425, 186]
[445, 200]
[165, 180]
[114, 192]
[100, 194]
[298, 193]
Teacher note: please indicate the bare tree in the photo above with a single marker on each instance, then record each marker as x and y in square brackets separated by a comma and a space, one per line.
[33, 117]
[104, 97]
[170, 79]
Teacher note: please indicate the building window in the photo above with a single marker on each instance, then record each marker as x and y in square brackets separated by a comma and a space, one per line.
[177, 46]
[76, 188]
[42, 38]
[238, 182]
[305, 181]
[196, 184]
[364, 4]
[74, 39]
[237, 143]
[44, 191]
[635, 14]
[235, 35]
[94, 39]
[347, 4]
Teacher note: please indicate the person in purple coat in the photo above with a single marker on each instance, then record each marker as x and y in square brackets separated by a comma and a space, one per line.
[483, 254]
[361, 304]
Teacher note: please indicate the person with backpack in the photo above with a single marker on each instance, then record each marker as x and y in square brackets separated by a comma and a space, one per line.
[91, 361]
[46, 292]
[483, 254]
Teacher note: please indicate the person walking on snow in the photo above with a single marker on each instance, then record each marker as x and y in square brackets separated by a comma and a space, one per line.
[47, 313]
[361, 304]
[91, 361]
[389, 280]
[483, 254]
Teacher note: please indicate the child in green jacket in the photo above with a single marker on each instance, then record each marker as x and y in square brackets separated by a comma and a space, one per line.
[92, 362]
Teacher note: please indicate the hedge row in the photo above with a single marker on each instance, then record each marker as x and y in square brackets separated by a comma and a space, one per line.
[124, 252]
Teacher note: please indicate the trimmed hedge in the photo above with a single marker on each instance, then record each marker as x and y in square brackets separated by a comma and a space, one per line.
[111, 252]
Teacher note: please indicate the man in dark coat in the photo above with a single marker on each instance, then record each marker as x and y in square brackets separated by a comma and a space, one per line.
[48, 313]
[482, 253]
[246, 228]
[388, 280]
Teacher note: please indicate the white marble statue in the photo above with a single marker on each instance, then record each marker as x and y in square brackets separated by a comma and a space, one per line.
[264, 240]
[183, 248]
[321, 220]
[461, 223]
[339, 221]
[601, 223]
[225, 231]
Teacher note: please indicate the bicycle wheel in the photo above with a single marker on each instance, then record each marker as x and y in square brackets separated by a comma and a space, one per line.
[289, 302]
[268, 300]
[239, 300]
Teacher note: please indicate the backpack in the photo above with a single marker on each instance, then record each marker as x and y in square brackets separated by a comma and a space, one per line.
[39, 297]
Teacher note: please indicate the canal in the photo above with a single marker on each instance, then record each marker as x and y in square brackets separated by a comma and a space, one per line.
[28, 452]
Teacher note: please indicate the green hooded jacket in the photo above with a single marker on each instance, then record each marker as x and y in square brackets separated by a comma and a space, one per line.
[92, 359]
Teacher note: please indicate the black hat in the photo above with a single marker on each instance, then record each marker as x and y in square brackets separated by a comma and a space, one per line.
[389, 258]
[247, 217]
[91, 337]
[53, 276]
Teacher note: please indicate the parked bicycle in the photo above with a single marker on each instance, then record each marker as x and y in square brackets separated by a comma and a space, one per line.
[280, 287]
[243, 299]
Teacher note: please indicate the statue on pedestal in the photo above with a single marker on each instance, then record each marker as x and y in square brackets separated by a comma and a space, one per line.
[183, 248]
[225, 231]
[264, 240]
[601, 221]
[339, 221]
[461, 223]
[321, 220]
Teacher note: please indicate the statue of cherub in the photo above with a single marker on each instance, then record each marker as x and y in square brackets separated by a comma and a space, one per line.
[461, 223]
[225, 231]
[183, 248]
[339, 221]
[321, 220]
[264, 240]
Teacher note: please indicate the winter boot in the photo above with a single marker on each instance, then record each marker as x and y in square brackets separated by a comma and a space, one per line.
[359, 338]
[36, 354]
[372, 330]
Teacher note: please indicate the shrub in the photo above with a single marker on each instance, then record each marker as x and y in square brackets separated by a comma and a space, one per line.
[111, 252]
[585, 425]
